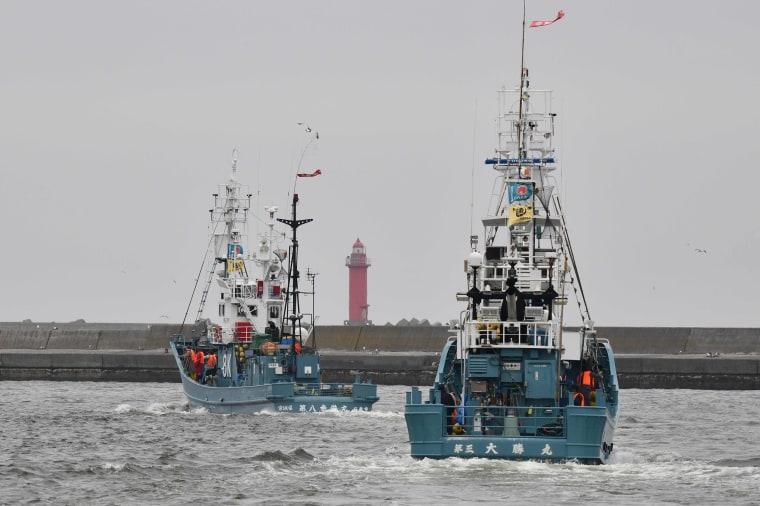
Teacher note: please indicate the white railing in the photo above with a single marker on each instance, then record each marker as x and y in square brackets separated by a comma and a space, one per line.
[528, 278]
[525, 334]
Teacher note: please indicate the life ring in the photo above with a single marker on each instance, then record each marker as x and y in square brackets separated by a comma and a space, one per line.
[218, 333]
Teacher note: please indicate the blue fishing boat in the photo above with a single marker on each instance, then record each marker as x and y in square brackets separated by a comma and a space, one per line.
[260, 353]
[512, 381]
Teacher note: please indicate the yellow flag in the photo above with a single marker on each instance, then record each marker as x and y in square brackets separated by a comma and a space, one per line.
[234, 265]
[519, 214]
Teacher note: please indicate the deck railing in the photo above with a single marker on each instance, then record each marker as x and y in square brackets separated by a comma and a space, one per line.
[490, 333]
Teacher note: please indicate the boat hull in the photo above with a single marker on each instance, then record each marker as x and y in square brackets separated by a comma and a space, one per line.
[281, 396]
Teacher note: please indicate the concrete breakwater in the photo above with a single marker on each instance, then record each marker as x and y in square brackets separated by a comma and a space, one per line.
[655, 357]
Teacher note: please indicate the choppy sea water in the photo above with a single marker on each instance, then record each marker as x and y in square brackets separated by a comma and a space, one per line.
[126, 443]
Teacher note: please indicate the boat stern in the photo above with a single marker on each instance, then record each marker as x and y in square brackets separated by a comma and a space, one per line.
[572, 433]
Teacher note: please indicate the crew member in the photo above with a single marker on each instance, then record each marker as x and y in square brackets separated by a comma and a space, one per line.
[190, 362]
[448, 400]
[586, 382]
[272, 330]
[209, 368]
[199, 365]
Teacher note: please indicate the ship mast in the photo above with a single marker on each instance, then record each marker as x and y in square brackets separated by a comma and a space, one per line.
[292, 306]
[522, 99]
[523, 76]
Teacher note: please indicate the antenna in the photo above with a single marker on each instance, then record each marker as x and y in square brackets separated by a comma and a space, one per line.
[312, 276]
[314, 137]
[522, 83]
[472, 170]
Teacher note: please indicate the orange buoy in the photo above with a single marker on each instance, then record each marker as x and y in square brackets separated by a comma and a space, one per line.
[268, 348]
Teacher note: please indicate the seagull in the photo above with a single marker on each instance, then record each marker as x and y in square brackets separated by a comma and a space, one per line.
[700, 250]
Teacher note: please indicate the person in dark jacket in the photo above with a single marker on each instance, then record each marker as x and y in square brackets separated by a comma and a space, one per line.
[448, 400]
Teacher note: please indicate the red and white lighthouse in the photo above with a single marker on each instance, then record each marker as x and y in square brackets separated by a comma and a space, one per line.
[357, 263]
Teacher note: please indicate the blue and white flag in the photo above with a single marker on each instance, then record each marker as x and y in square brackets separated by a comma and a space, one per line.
[520, 192]
[233, 250]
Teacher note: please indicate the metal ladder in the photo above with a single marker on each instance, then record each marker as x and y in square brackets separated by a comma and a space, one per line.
[202, 305]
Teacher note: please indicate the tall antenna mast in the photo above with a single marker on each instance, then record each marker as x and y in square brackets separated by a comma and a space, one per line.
[291, 297]
[522, 87]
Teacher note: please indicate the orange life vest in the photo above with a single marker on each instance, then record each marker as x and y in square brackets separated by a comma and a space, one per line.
[585, 379]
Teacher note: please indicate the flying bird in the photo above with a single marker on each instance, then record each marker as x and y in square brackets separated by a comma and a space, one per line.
[700, 250]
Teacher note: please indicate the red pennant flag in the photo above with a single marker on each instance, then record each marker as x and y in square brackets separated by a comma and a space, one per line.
[305, 174]
[535, 24]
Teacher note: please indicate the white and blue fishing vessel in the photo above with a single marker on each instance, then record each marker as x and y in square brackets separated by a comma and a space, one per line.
[512, 381]
[259, 353]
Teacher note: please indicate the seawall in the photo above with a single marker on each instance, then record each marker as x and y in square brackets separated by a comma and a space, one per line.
[651, 357]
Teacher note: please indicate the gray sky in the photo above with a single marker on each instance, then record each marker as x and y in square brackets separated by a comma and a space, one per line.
[119, 119]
